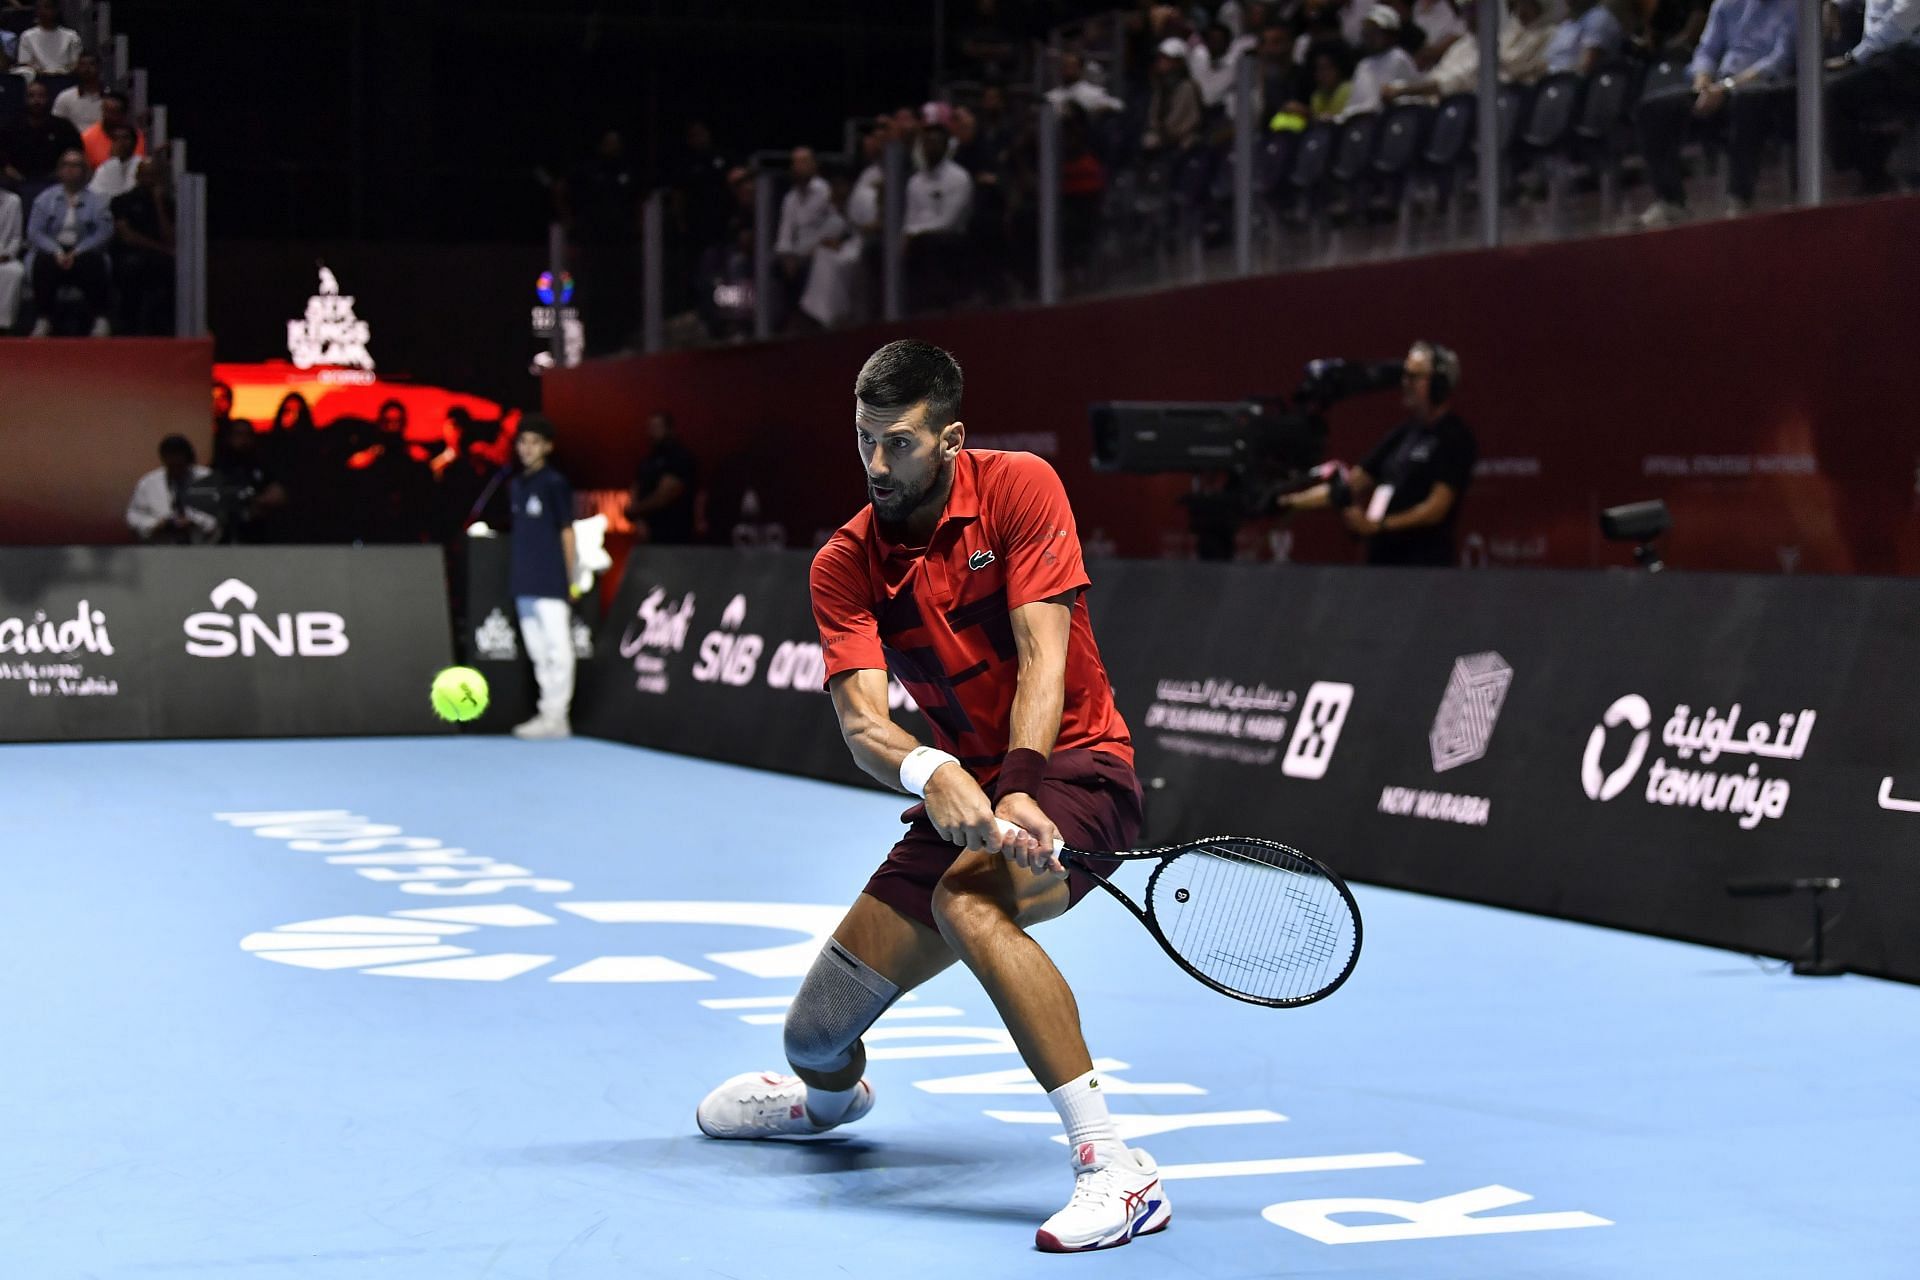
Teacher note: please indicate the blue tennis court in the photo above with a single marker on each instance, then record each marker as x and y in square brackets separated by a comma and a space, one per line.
[443, 1007]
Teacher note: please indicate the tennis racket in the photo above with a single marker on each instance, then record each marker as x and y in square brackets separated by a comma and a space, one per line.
[1250, 918]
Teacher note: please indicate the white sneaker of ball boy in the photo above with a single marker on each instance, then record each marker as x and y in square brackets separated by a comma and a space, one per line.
[1117, 1193]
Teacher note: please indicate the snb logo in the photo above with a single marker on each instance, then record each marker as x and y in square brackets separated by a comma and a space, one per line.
[725, 655]
[215, 634]
[1469, 710]
[1317, 732]
[1632, 710]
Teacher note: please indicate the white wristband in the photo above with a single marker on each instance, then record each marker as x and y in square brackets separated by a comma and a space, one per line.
[919, 766]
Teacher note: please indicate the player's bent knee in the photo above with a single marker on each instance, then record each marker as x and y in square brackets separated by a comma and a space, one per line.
[839, 1000]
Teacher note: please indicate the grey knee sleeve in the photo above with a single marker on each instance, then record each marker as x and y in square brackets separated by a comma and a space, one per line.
[839, 1000]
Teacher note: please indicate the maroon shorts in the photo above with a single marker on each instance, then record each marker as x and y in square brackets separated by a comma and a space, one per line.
[1092, 797]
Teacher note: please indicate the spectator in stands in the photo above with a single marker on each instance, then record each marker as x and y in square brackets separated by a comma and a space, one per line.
[1523, 56]
[1405, 497]
[865, 206]
[1587, 37]
[222, 418]
[1875, 83]
[1083, 188]
[177, 502]
[69, 231]
[1283, 85]
[391, 484]
[1212, 63]
[79, 103]
[1384, 63]
[1332, 82]
[33, 144]
[252, 494]
[541, 576]
[1174, 109]
[724, 286]
[1740, 84]
[939, 202]
[1442, 24]
[120, 171]
[1075, 88]
[13, 271]
[98, 138]
[143, 253]
[836, 279]
[46, 46]
[302, 457]
[661, 502]
[804, 214]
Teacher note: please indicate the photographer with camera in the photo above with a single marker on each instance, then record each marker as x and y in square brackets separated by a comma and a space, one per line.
[1404, 496]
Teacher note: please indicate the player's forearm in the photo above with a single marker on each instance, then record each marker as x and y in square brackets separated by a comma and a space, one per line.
[1038, 703]
[566, 551]
[878, 746]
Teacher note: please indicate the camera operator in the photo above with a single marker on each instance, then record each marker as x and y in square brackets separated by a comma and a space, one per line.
[1403, 497]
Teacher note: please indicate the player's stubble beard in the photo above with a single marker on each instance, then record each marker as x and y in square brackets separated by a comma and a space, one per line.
[899, 506]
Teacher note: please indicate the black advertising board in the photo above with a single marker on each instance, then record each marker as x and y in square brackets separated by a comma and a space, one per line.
[197, 642]
[1611, 747]
[713, 652]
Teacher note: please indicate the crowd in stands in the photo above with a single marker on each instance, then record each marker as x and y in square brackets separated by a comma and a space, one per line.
[1148, 101]
[86, 215]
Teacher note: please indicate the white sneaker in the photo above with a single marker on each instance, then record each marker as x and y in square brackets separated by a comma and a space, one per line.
[764, 1104]
[102, 328]
[1110, 1206]
[1738, 208]
[1662, 214]
[543, 728]
[43, 327]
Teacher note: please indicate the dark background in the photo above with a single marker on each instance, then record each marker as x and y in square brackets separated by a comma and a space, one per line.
[427, 119]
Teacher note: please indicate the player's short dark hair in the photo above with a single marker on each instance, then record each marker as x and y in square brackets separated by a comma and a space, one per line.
[533, 424]
[902, 374]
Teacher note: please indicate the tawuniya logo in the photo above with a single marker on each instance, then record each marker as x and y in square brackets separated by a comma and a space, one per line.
[307, 634]
[1711, 736]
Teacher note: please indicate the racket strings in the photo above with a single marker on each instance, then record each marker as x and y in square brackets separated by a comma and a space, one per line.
[1260, 920]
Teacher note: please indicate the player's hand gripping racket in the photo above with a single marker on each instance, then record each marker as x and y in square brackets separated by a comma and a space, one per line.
[1250, 918]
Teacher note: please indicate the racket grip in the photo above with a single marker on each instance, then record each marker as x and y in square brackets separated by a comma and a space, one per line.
[1011, 830]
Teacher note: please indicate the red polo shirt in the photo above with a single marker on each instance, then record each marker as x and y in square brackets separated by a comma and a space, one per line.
[937, 616]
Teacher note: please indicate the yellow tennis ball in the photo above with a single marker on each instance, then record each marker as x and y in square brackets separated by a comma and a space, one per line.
[459, 693]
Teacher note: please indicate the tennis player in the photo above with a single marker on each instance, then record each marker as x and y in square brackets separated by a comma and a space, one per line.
[963, 577]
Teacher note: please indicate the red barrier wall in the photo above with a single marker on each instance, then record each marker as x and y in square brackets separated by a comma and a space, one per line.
[81, 420]
[1756, 374]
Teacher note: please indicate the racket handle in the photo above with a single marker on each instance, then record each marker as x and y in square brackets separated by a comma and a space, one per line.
[1010, 831]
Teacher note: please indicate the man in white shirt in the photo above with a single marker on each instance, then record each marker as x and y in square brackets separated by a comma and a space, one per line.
[171, 503]
[116, 174]
[79, 104]
[1212, 63]
[1075, 88]
[939, 202]
[12, 246]
[1523, 56]
[48, 47]
[805, 212]
[1385, 61]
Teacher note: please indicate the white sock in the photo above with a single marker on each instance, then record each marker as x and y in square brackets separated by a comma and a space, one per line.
[1091, 1137]
[827, 1106]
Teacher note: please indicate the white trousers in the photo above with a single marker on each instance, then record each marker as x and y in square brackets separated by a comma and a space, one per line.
[546, 627]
